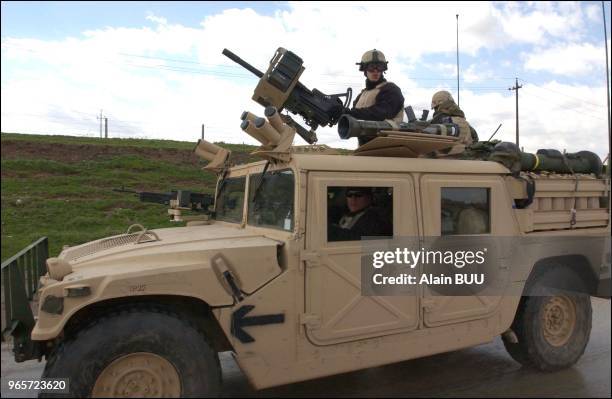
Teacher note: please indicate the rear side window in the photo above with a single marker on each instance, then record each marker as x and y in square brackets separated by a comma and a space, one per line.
[465, 210]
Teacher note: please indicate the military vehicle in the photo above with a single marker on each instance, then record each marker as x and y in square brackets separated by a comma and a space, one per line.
[147, 312]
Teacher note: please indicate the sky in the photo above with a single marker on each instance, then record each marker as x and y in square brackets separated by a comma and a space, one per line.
[155, 69]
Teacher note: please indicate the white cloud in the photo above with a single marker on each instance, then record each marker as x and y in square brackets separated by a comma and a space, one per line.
[158, 20]
[158, 98]
[539, 22]
[477, 73]
[552, 115]
[593, 12]
[567, 59]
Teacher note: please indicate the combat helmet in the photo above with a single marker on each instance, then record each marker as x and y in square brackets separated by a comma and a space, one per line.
[440, 97]
[372, 57]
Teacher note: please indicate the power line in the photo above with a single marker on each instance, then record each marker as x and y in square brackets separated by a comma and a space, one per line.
[563, 94]
[47, 116]
[229, 73]
[560, 105]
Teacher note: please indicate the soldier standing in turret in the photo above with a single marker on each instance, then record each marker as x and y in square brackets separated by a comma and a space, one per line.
[446, 111]
[380, 100]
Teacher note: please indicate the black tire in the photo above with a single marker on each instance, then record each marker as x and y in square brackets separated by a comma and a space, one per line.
[91, 350]
[533, 348]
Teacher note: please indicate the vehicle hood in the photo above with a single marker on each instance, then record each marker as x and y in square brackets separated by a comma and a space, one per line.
[253, 258]
[156, 245]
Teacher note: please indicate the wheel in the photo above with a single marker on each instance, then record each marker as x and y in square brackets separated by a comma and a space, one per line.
[552, 330]
[137, 353]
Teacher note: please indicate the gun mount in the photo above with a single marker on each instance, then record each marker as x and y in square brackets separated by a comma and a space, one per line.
[279, 87]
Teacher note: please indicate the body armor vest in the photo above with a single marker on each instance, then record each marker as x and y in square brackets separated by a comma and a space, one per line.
[368, 98]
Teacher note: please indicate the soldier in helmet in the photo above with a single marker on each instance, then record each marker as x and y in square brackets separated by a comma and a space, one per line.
[447, 111]
[362, 218]
[380, 100]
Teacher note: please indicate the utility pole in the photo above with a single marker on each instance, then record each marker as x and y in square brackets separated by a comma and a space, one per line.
[105, 128]
[202, 131]
[100, 118]
[516, 89]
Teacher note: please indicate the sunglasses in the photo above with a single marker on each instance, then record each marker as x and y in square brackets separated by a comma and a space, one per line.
[375, 67]
[354, 195]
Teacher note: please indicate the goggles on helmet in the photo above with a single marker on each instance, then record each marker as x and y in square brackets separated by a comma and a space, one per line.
[376, 66]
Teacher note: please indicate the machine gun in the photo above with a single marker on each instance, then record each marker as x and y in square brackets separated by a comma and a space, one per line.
[177, 200]
[280, 87]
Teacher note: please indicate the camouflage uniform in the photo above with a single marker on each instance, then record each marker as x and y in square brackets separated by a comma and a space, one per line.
[380, 100]
[446, 111]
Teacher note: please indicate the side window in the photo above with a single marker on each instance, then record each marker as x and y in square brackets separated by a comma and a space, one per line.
[465, 210]
[230, 199]
[355, 212]
[271, 200]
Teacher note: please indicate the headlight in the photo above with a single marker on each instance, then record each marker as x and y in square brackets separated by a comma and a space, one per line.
[58, 268]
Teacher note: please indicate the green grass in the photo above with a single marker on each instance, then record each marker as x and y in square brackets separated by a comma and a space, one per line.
[62, 186]
[115, 142]
[73, 202]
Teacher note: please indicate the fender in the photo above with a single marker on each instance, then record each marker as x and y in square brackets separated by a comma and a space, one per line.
[185, 269]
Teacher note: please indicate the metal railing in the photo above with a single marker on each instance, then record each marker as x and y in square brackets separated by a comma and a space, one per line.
[20, 275]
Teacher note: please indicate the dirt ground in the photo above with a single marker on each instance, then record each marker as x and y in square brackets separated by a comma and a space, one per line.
[484, 371]
[74, 153]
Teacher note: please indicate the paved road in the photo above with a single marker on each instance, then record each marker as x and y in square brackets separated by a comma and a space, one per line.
[484, 371]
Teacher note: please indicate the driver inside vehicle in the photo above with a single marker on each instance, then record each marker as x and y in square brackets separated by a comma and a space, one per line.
[361, 217]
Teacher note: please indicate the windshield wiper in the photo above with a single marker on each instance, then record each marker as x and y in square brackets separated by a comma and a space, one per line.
[260, 183]
[221, 186]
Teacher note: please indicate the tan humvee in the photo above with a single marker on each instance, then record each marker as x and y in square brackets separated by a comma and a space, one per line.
[146, 313]
[291, 308]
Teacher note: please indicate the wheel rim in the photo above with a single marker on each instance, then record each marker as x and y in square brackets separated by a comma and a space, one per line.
[559, 320]
[138, 375]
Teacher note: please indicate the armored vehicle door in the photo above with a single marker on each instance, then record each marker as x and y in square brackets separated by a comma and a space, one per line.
[336, 311]
[475, 205]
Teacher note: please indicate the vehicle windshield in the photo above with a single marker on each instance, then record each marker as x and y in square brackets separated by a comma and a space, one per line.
[230, 201]
[271, 204]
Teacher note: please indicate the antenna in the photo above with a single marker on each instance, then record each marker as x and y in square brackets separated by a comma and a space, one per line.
[494, 133]
[457, 59]
[603, 11]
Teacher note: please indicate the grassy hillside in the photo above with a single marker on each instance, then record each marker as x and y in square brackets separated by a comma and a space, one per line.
[61, 187]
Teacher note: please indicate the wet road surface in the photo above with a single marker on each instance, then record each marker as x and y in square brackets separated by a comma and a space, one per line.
[483, 371]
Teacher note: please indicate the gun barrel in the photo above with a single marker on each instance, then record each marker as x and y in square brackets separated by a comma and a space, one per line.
[123, 190]
[157, 198]
[349, 126]
[242, 63]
